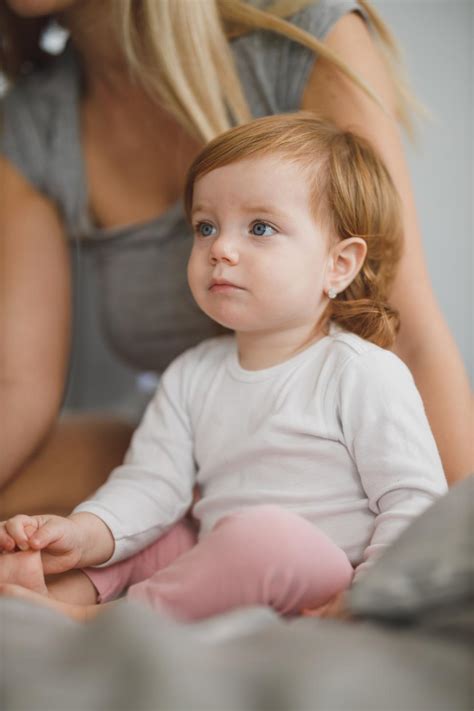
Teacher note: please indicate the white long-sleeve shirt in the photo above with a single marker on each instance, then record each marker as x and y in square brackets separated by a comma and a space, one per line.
[336, 434]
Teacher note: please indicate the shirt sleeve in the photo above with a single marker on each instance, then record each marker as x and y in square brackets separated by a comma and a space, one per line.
[22, 139]
[387, 433]
[40, 136]
[153, 488]
[296, 60]
[275, 69]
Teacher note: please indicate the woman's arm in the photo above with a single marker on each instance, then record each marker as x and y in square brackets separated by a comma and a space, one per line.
[35, 306]
[424, 342]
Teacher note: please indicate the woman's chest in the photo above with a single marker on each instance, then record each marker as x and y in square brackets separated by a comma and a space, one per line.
[135, 169]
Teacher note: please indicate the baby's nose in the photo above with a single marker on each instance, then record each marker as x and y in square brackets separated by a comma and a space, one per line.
[224, 248]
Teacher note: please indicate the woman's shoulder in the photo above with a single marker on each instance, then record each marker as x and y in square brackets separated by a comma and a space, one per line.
[38, 94]
[274, 68]
[54, 69]
[315, 16]
[40, 127]
[318, 16]
[30, 110]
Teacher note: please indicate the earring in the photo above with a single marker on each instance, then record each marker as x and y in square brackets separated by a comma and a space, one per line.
[332, 293]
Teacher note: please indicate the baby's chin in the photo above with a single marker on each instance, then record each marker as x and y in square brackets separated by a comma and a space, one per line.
[229, 316]
[234, 322]
[229, 323]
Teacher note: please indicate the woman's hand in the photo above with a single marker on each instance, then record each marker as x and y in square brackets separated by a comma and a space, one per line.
[335, 608]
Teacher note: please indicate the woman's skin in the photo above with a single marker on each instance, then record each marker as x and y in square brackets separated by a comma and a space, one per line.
[48, 465]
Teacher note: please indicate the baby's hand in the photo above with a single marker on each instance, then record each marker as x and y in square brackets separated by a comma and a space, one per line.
[59, 539]
[15, 533]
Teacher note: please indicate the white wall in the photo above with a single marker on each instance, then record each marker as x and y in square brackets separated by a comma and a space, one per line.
[437, 37]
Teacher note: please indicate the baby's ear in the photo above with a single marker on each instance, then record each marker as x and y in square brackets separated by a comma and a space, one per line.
[345, 261]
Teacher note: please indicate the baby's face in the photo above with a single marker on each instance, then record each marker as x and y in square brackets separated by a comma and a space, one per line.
[259, 257]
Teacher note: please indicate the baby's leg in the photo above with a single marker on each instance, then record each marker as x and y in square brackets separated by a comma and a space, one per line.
[80, 613]
[73, 586]
[21, 576]
[77, 592]
[264, 555]
[93, 585]
[109, 582]
[23, 568]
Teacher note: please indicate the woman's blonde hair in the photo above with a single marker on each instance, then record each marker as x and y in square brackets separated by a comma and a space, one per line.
[352, 195]
[179, 51]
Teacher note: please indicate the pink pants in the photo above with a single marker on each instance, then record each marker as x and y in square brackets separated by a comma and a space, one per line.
[263, 555]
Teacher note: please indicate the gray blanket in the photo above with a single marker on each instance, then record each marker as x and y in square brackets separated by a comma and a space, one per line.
[409, 648]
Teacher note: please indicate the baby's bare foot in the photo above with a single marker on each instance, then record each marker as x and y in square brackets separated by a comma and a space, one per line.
[80, 613]
[25, 569]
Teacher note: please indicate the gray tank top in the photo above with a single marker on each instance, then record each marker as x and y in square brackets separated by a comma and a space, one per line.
[146, 308]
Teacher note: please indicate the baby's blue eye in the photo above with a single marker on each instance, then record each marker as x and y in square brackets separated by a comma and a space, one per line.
[260, 229]
[204, 229]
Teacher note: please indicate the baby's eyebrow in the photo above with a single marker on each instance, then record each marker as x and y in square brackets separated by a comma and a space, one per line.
[261, 209]
[199, 208]
[264, 209]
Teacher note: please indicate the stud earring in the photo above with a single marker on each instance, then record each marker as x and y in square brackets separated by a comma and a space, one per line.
[332, 293]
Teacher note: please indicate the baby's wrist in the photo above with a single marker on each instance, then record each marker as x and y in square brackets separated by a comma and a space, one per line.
[95, 541]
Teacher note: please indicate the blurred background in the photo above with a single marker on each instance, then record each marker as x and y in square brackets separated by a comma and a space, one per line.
[437, 37]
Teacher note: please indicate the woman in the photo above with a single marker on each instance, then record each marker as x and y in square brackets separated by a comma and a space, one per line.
[89, 151]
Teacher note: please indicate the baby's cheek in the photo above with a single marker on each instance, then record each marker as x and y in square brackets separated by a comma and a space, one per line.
[200, 297]
[195, 280]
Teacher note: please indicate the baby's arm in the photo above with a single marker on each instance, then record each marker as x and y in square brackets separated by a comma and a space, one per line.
[77, 541]
[141, 499]
[387, 432]
[153, 488]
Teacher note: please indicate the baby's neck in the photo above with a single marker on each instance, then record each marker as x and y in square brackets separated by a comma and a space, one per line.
[258, 351]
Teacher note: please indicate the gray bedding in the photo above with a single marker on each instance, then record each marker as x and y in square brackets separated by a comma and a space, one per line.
[410, 648]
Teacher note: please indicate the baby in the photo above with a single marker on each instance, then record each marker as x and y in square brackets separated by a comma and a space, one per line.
[307, 437]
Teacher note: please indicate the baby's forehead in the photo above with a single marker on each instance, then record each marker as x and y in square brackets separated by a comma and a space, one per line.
[283, 191]
[251, 176]
[262, 160]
